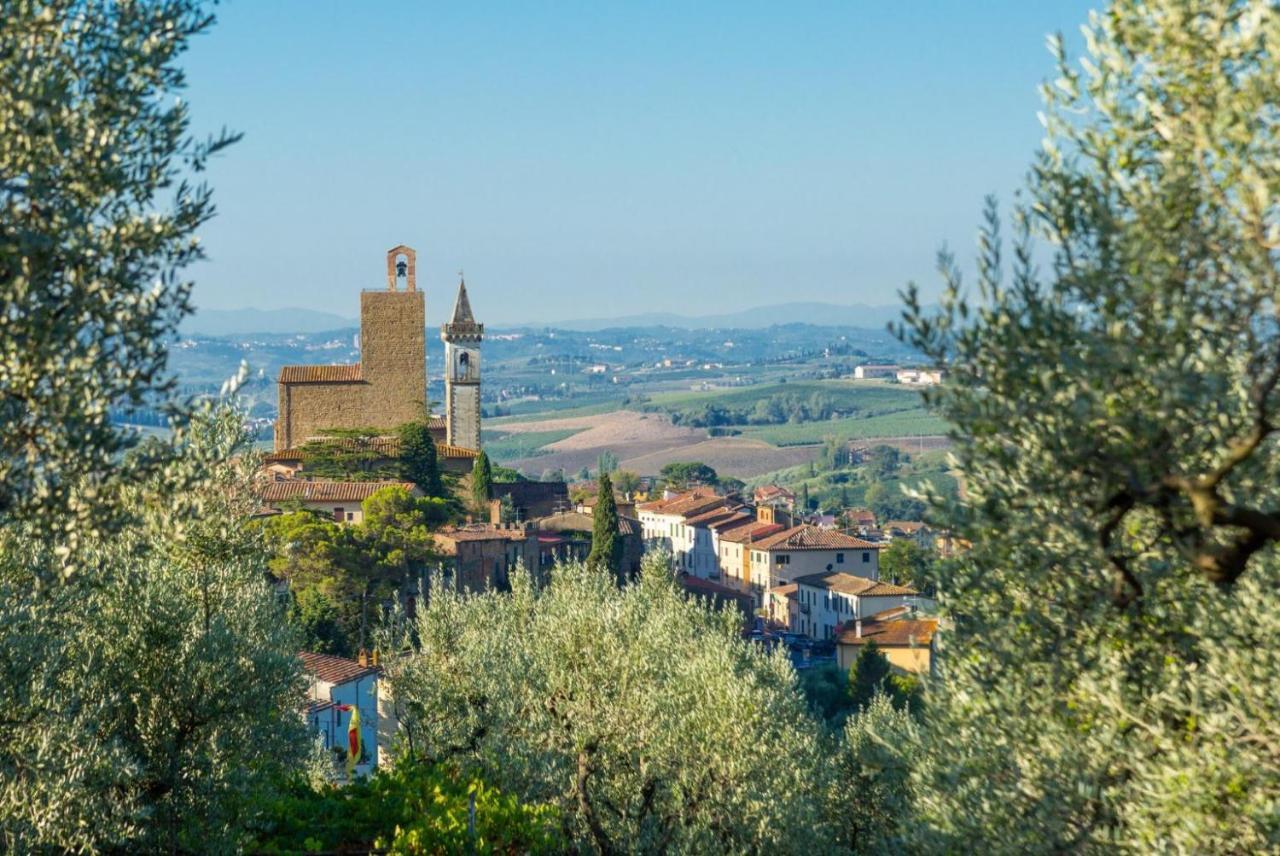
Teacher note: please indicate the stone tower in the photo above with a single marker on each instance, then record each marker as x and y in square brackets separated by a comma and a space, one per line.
[461, 336]
[387, 388]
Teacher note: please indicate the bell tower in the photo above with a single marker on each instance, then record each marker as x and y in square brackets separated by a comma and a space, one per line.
[461, 336]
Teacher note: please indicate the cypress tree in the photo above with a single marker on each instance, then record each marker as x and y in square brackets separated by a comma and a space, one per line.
[481, 480]
[867, 675]
[418, 462]
[606, 543]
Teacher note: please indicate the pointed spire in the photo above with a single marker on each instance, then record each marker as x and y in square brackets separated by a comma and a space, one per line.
[462, 306]
[462, 327]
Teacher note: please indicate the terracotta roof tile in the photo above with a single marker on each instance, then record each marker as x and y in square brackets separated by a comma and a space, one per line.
[444, 450]
[321, 374]
[386, 446]
[690, 502]
[805, 537]
[844, 583]
[325, 491]
[903, 633]
[480, 532]
[333, 670]
[577, 521]
[715, 517]
[751, 532]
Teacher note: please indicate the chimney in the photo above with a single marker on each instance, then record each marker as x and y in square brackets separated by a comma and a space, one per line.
[374, 660]
[363, 657]
[857, 628]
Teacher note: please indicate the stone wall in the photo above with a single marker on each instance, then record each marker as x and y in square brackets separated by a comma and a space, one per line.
[463, 409]
[393, 371]
[307, 409]
[393, 355]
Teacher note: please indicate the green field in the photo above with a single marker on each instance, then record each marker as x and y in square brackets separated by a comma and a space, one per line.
[868, 397]
[508, 446]
[579, 405]
[905, 423]
[799, 413]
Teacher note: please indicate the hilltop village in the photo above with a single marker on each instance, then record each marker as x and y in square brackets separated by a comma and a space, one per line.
[352, 441]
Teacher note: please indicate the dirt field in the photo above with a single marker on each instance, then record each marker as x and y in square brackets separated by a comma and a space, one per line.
[644, 442]
[728, 456]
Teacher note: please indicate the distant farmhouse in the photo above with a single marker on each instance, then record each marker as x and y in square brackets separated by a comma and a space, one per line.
[388, 387]
[920, 377]
[868, 372]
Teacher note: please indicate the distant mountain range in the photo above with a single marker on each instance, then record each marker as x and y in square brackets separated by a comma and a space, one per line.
[231, 322]
[820, 314]
[227, 322]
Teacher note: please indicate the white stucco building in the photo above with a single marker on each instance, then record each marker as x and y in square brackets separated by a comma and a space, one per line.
[826, 601]
[804, 550]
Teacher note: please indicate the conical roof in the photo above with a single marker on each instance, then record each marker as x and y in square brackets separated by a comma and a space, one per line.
[462, 306]
[462, 326]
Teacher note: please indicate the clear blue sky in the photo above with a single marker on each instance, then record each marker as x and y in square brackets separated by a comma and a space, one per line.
[597, 159]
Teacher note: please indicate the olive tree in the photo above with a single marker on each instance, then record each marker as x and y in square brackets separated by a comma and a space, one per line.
[97, 220]
[1109, 683]
[148, 706]
[643, 716]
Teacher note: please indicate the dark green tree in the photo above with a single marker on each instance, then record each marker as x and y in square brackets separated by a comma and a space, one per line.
[418, 462]
[827, 690]
[481, 481]
[867, 677]
[606, 542]
[882, 462]
[626, 481]
[685, 474]
[317, 619]
[905, 562]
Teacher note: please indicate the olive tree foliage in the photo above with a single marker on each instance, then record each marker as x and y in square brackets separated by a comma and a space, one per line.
[1110, 681]
[97, 220]
[643, 716]
[883, 750]
[148, 705]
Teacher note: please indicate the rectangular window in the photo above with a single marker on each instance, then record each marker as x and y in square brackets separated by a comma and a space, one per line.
[839, 558]
[866, 558]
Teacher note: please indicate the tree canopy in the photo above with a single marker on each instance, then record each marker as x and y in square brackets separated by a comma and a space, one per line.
[481, 481]
[1107, 683]
[642, 717]
[685, 474]
[99, 219]
[606, 540]
[418, 460]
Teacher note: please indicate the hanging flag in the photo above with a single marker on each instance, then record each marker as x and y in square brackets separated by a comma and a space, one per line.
[353, 741]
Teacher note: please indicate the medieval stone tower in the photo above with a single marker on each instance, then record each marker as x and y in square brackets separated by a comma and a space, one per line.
[387, 388]
[461, 336]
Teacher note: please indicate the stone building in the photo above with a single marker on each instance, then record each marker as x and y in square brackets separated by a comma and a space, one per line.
[481, 557]
[388, 387]
[461, 336]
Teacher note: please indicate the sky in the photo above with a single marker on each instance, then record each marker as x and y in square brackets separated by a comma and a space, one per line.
[603, 159]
